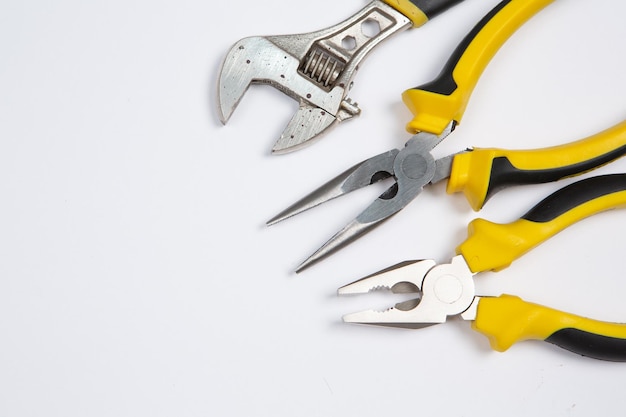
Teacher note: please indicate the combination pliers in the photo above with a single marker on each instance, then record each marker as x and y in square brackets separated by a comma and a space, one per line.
[317, 69]
[446, 290]
[479, 173]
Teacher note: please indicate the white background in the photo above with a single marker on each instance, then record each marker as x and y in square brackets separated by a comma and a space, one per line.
[137, 276]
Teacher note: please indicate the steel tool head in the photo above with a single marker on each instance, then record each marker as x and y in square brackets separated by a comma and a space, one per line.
[370, 171]
[316, 69]
[442, 290]
[412, 168]
[259, 60]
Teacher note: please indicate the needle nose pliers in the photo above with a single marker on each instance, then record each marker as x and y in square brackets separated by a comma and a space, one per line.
[479, 173]
[445, 290]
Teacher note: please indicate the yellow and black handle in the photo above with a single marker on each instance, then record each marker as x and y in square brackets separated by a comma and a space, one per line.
[421, 11]
[480, 173]
[508, 319]
[437, 103]
[493, 246]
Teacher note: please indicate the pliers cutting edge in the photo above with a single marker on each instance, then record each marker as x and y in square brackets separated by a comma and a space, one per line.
[479, 173]
[317, 69]
[446, 290]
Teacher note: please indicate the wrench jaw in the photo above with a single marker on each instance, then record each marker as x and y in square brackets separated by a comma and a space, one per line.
[316, 69]
[306, 126]
[310, 123]
[255, 60]
[260, 60]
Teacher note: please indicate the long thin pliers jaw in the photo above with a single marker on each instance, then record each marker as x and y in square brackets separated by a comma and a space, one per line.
[360, 175]
[412, 167]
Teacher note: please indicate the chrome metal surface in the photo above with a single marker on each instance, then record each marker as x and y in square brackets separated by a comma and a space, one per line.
[316, 69]
[444, 290]
[412, 167]
[412, 272]
[360, 175]
[351, 232]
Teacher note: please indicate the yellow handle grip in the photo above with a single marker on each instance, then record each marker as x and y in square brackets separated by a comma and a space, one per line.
[481, 173]
[507, 319]
[436, 104]
[492, 246]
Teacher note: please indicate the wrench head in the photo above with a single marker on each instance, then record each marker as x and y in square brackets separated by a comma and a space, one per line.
[315, 69]
[261, 60]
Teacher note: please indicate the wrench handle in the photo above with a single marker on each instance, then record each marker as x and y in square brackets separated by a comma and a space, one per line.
[421, 11]
[437, 103]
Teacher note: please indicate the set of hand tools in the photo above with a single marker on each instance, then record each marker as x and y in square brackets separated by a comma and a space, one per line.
[318, 69]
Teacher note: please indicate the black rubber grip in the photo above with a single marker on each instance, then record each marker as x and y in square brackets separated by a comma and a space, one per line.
[504, 174]
[573, 195]
[444, 83]
[432, 8]
[590, 344]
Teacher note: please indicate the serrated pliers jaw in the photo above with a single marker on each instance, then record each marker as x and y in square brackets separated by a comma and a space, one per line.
[442, 290]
